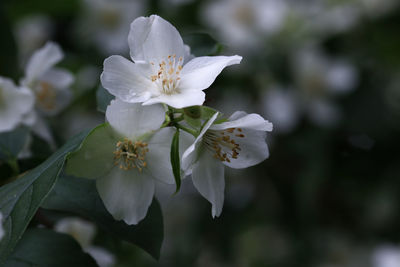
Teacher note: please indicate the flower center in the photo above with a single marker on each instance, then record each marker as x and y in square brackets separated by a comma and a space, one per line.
[223, 143]
[130, 155]
[46, 96]
[167, 74]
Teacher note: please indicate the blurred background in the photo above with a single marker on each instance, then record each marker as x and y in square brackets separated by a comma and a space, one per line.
[326, 73]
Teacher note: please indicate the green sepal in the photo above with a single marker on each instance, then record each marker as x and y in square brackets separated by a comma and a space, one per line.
[95, 156]
[175, 161]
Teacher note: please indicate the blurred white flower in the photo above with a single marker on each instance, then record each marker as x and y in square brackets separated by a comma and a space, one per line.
[244, 23]
[160, 72]
[322, 18]
[15, 104]
[282, 107]
[237, 143]
[320, 79]
[50, 86]
[106, 23]
[386, 256]
[31, 33]
[81, 230]
[84, 232]
[317, 74]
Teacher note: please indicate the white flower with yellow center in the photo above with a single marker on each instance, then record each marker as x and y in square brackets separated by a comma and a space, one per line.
[162, 70]
[237, 143]
[125, 157]
[49, 84]
[15, 104]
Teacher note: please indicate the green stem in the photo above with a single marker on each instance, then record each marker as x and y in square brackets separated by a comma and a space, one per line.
[167, 121]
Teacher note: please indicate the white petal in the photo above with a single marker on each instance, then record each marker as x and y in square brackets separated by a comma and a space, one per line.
[126, 80]
[185, 141]
[208, 178]
[153, 38]
[41, 61]
[253, 149]
[241, 119]
[103, 257]
[41, 129]
[180, 100]
[29, 118]
[190, 155]
[200, 72]
[132, 119]
[15, 103]
[57, 77]
[127, 195]
[158, 158]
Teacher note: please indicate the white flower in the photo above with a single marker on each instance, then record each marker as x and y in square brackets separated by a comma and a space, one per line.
[49, 84]
[282, 107]
[244, 23]
[1, 226]
[160, 71]
[106, 23]
[237, 143]
[126, 157]
[15, 103]
[320, 79]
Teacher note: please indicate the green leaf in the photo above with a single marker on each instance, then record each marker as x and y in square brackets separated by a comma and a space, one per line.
[80, 196]
[20, 199]
[175, 161]
[103, 98]
[11, 143]
[43, 247]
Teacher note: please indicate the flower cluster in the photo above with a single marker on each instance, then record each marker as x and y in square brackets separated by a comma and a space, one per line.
[157, 129]
[43, 91]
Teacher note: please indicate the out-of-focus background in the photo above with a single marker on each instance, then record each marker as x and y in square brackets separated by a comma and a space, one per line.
[326, 73]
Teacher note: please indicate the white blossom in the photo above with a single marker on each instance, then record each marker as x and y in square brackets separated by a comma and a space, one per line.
[244, 23]
[105, 23]
[49, 84]
[160, 71]
[126, 157]
[237, 143]
[15, 104]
